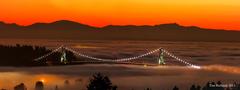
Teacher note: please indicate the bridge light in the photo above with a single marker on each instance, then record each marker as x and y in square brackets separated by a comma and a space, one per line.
[145, 65]
[196, 67]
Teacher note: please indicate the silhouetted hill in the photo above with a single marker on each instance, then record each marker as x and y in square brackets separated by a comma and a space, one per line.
[59, 25]
[4, 26]
[72, 30]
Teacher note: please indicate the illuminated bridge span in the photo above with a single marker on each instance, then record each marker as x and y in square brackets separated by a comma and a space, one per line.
[161, 54]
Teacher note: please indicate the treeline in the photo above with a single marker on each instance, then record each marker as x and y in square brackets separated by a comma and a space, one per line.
[97, 82]
[24, 55]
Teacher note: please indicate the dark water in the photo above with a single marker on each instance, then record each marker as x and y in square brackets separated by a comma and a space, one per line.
[220, 61]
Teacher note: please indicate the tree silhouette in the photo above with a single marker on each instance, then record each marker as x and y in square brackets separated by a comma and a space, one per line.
[193, 87]
[175, 88]
[24, 55]
[39, 85]
[56, 87]
[114, 87]
[198, 87]
[20, 87]
[100, 82]
[148, 89]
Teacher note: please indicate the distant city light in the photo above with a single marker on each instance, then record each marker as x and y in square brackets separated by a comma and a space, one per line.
[42, 80]
[145, 65]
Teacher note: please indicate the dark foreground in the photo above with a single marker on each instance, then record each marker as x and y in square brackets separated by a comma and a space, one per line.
[126, 77]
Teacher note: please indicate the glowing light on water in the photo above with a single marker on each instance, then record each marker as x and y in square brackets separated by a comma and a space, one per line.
[196, 67]
[223, 68]
[43, 80]
[145, 65]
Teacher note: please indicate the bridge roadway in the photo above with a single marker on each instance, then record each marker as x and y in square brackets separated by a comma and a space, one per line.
[101, 62]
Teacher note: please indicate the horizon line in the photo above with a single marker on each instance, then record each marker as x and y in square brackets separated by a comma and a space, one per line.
[117, 25]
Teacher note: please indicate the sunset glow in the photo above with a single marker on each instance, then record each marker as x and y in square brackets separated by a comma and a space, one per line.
[217, 14]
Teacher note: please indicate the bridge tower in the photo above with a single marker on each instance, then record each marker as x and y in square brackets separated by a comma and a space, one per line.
[63, 56]
[161, 57]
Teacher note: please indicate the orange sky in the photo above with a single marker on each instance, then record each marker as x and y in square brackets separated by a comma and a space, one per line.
[220, 14]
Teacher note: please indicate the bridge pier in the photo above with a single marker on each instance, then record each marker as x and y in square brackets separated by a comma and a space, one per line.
[161, 57]
[63, 58]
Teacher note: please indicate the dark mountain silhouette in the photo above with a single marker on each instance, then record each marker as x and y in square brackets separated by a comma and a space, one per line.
[4, 26]
[59, 25]
[65, 29]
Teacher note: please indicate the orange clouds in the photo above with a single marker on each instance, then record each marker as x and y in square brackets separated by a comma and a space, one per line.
[223, 14]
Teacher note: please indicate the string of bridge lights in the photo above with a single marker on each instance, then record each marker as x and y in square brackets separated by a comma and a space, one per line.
[182, 61]
[114, 60]
[48, 54]
[121, 59]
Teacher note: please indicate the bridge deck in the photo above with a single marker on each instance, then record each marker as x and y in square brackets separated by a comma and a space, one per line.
[101, 62]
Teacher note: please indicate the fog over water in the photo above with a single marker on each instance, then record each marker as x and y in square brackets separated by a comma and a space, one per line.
[219, 61]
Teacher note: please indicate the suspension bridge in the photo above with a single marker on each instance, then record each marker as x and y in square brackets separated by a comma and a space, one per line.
[161, 53]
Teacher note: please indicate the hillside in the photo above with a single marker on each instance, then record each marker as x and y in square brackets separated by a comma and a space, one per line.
[72, 30]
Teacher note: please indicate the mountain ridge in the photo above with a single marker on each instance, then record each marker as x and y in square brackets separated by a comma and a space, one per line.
[80, 25]
[65, 29]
